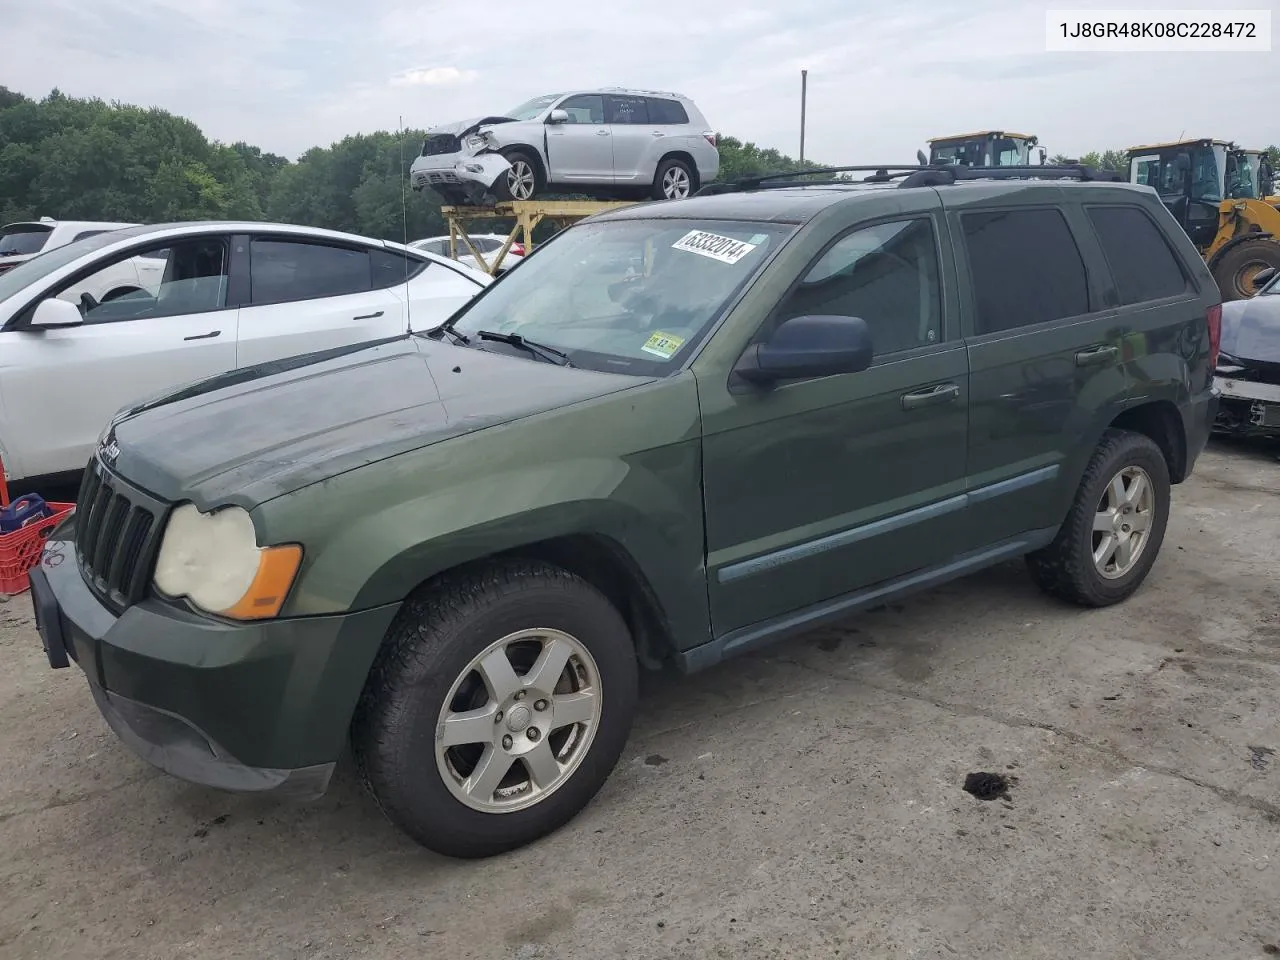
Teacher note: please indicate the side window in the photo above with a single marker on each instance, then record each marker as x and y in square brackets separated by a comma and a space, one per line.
[587, 108]
[887, 274]
[185, 277]
[389, 268]
[1142, 264]
[629, 110]
[666, 111]
[1026, 268]
[285, 270]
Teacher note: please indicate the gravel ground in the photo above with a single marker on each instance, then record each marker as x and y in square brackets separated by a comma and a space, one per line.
[807, 802]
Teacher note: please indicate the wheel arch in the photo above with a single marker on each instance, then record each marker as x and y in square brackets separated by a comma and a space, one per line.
[1237, 241]
[534, 153]
[1160, 421]
[687, 157]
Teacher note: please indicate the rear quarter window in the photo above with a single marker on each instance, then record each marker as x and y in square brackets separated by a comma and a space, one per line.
[1143, 265]
[1025, 266]
[666, 111]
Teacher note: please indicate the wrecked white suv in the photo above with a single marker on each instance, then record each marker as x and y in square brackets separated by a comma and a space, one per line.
[607, 141]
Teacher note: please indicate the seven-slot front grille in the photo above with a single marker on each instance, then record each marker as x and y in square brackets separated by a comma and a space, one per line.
[117, 536]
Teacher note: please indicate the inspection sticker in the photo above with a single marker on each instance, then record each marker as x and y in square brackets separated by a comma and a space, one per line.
[663, 345]
[724, 249]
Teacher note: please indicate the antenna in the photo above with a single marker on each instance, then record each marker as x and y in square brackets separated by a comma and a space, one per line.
[404, 229]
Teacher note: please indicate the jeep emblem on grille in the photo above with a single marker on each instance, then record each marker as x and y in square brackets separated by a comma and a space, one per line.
[109, 451]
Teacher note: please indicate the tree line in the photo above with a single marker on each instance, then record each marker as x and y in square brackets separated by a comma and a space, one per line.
[87, 159]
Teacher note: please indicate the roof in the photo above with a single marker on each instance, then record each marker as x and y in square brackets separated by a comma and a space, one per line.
[245, 226]
[799, 204]
[1181, 143]
[984, 133]
[49, 223]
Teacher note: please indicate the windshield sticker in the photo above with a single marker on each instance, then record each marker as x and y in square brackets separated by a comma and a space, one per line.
[724, 249]
[663, 345]
[758, 239]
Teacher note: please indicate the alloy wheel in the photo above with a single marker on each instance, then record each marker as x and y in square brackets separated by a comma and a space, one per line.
[1122, 523]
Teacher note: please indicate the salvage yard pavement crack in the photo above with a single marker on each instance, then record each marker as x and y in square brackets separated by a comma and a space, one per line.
[1271, 810]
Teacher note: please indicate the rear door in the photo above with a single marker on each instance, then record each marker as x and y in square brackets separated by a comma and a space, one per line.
[1043, 355]
[633, 138]
[307, 294]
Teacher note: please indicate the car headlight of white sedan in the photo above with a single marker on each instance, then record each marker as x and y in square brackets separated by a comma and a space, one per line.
[215, 562]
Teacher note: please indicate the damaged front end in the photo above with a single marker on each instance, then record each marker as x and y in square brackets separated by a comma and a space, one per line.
[460, 160]
[1248, 372]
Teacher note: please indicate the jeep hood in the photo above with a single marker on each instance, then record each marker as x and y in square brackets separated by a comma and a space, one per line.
[254, 434]
[1251, 329]
[462, 128]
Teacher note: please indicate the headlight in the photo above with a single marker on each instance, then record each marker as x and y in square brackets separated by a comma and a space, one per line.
[213, 559]
[477, 141]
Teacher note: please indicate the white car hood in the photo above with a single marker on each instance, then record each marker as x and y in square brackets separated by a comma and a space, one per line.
[1251, 328]
[460, 127]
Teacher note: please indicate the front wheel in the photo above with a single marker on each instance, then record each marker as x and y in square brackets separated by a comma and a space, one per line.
[1115, 528]
[522, 182]
[497, 708]
[1235, 270]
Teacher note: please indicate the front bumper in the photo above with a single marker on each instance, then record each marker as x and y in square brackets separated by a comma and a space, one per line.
[1247, 407]
[457, 170]
[260, 707]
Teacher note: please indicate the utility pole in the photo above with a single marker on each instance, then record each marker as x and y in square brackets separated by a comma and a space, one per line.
[804, 95]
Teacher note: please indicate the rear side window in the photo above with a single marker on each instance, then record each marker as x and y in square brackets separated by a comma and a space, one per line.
[626, 110]
[666, 111]
[284, 270]
[23, 239]
[1142, 263]
[389, 268]
[1026, 268]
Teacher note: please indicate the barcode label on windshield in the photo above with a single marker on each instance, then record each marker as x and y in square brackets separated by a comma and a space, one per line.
[724, 249]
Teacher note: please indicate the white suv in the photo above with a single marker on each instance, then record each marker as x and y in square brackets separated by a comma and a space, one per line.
[602, 141]
[19, 242]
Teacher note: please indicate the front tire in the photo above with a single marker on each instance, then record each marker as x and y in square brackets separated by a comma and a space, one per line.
[523, 181]
[496, 709]
[674, 180]
[1115, 528]
[1234, 270]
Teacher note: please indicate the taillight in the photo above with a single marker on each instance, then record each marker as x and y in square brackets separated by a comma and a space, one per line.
[1213, 317]
[710, 136]
[517, 249]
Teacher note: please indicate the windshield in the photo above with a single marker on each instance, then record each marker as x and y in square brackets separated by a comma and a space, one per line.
[624, 296]
[530, 109]
[37, 268]
[23, 238]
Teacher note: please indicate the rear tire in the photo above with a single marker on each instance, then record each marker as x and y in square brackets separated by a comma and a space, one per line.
[1075, 567]
[1234, 270]
[438, 670]
[674, 180]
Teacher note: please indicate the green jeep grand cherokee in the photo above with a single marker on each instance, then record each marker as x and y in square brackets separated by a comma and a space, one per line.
[679, 431]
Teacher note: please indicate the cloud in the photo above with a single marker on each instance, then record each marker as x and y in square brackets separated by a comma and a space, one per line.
[883, 78]
[433, 77]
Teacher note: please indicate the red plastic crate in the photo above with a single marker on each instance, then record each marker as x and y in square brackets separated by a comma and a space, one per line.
[21, 549]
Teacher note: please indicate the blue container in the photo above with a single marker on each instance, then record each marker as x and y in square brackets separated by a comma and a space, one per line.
[26, 509]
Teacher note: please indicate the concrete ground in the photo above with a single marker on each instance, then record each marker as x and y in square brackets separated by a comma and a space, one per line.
[803, 803]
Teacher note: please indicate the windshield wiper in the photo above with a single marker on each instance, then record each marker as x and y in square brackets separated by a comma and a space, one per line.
[457, 335]
[551, 354]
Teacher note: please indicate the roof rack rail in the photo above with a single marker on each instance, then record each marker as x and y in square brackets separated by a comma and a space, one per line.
[943, 174]
[913, 175]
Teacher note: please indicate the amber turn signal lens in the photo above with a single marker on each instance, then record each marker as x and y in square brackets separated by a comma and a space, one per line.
[277, 567]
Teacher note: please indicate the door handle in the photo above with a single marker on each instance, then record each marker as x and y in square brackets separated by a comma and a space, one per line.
[368, 316]
[602, 133]
[942, 393]
[204, 336]
[658, 133]
[1097, 356]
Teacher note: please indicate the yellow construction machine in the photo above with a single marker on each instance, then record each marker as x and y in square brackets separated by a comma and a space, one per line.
[1222, 195]
[986, 148]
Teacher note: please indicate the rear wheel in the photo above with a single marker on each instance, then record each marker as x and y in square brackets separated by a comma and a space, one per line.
[497, 708]
[673, 181]
[1235, 270]
[1116, 525]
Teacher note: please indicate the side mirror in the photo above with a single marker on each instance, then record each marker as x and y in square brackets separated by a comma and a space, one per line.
[808, 346]
[1043, 154]
[924, 161]
[53, 313]
[1263, 277]
[558, 116]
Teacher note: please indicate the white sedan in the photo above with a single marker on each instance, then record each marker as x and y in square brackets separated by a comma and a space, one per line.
[215, 297]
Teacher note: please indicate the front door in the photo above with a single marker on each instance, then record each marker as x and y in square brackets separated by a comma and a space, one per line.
[815, 489]
[581, 150]
[62, 385]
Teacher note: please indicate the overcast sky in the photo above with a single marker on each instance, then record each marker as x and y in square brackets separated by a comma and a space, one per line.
[883, 76]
